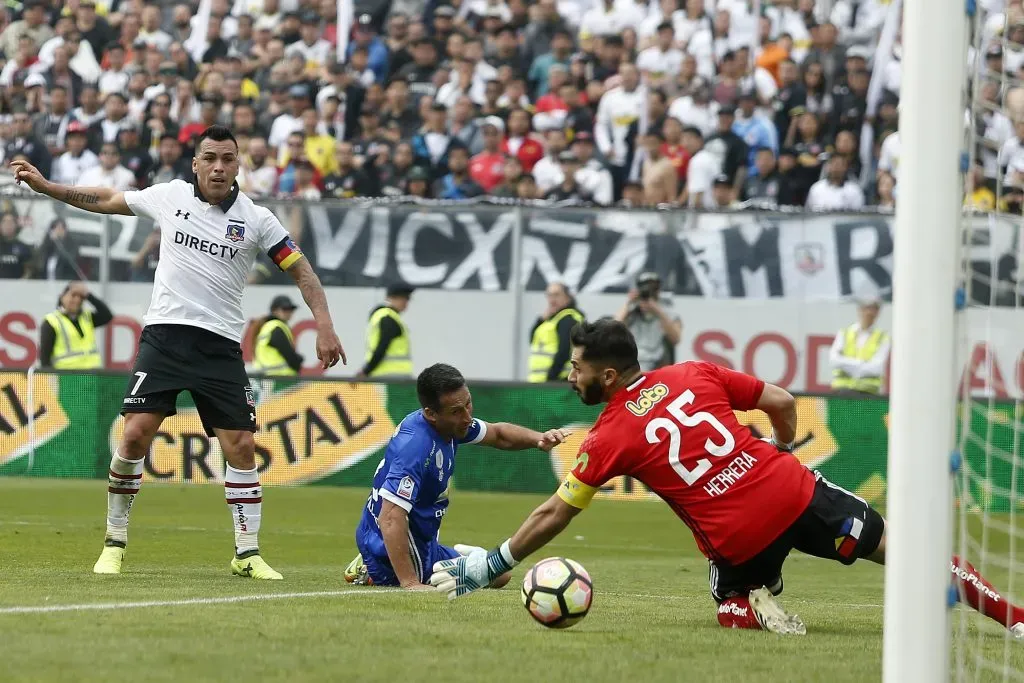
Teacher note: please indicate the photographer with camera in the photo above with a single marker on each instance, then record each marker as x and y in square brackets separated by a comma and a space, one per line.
[655, 326]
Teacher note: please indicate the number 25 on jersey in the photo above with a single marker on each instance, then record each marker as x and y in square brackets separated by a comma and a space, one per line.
[658, 427]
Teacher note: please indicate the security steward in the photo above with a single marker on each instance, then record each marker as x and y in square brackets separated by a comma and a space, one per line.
[860, 352]
[274, 352]
[388, 352]
[550, 346]
[68, 339]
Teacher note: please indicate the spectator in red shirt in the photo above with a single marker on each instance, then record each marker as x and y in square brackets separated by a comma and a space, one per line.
[519, 143]
[487, 167]
[673, 148]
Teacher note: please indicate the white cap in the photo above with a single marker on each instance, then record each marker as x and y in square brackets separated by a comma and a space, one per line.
[494, 121]
[265, 23]
[35, 80]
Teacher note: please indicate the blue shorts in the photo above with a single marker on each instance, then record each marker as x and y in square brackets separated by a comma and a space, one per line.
[423, 555]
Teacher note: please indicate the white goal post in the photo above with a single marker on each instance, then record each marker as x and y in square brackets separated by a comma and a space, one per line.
[924, 373]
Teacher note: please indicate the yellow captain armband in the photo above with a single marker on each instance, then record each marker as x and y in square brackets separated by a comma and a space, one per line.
[576, 493]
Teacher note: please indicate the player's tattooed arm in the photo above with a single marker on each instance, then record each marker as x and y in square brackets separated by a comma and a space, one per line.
[95, 199]
[328, 347]
[312, 292]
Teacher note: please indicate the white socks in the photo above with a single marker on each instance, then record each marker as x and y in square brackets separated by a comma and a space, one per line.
[244, 495]
[123, 482]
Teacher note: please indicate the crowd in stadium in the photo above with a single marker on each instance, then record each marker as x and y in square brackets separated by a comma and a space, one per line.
[697, 103]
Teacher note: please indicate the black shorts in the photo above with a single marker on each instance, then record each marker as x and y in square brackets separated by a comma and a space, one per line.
[176, 358]
[836, 525]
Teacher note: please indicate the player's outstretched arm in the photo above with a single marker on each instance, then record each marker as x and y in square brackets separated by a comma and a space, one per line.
[328, 346]
[780, 407]
[94, 199]
[474, 571]
[512, 437]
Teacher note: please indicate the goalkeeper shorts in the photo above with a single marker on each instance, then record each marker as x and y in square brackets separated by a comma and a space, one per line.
[837, 525]
[422, 554]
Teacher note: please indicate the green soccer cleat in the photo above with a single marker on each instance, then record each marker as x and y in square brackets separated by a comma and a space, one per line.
[772, 617]
[357, 573]
[110, 560]
[254, 567]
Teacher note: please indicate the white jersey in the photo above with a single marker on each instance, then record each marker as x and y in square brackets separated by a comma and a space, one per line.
[206, 254]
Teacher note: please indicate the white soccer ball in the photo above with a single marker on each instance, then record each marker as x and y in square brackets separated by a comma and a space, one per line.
[557, 592]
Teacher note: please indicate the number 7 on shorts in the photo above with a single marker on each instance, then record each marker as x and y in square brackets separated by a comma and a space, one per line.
[142, 377]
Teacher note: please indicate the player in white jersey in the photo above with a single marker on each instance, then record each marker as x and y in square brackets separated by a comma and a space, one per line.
[210, 234]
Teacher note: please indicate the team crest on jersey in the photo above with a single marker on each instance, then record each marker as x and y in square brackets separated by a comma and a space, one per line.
[648, 398]
[235, 231]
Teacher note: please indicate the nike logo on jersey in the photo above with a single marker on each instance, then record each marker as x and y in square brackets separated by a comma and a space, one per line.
[207, 247]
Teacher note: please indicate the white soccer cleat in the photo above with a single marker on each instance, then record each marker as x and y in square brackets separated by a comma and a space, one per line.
[1017, 630]
[772, 617]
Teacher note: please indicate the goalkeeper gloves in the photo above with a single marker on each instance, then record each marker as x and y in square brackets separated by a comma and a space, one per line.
[474, 569]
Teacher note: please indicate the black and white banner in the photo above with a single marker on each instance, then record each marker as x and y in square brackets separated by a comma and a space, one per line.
[737, 255]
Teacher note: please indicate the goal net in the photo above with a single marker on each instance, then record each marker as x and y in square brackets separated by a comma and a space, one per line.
[987, 462]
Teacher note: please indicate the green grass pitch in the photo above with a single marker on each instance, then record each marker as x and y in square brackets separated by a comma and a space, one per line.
[652, 617]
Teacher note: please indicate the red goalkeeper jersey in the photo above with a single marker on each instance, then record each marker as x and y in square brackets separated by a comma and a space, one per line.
[674, 430]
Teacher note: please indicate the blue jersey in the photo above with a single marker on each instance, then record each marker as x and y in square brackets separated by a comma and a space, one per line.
[759, 133]
[415, 474]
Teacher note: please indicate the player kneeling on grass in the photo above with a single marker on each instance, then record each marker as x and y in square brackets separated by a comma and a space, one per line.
[747, 501]
[398, 533]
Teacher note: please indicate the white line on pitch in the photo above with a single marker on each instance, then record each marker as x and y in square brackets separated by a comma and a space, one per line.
[42, 609]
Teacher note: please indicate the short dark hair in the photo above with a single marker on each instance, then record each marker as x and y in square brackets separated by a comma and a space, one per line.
[217, 134]
[606, 342]
[434, 382]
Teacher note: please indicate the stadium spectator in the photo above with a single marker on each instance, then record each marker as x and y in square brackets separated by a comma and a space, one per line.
[56, 258]
[520, 142]
[70, 165]
[511, 172]
[171, 165]
[457, 184]
[15, 255]
[109, 173]
[432, 143]
[754, 128]
[551, 72]
[593, 177]
[348, 181]
[763, 187]
[836, 191]
[569, 191]
[734, 161]
[487, 168]
[657, 173]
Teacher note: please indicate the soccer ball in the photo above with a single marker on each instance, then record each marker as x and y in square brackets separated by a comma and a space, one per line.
[557, 592]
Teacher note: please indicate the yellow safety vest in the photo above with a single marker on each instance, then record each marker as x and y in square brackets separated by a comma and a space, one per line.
[266, 358]
[544, 346]
[71, 350]
[841, 380]
[397, 358]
